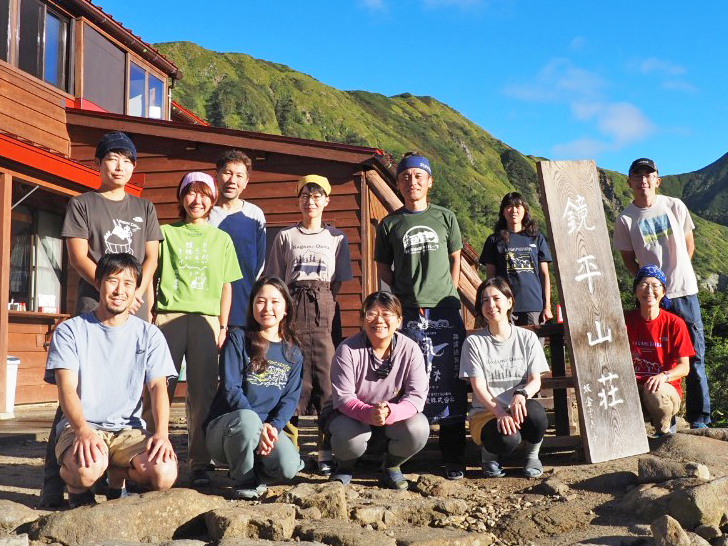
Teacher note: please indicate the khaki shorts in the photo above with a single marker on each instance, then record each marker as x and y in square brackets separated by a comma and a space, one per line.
[123, 445]
[477, 422]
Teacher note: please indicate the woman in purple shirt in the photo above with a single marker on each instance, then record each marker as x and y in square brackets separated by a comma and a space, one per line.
[379, 387]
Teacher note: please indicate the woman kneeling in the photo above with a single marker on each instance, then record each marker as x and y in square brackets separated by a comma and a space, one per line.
[661, 350]
[379, 385]
[504, 364]
[260, 383]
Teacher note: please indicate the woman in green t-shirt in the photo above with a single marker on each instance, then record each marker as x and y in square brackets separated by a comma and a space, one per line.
[197, 264]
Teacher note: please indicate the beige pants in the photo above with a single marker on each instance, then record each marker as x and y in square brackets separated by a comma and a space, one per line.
[194, 338]
[661, 406]
[123, 445]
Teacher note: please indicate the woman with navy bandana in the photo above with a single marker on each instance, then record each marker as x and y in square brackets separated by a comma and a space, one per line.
[661, 350]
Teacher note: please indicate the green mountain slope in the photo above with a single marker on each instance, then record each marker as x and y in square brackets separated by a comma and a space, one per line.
[472, 169]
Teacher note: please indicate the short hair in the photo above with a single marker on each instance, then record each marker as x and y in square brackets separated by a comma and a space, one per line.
[196, 187]
[312, 187]
[500, 284]
[387, 300]
[116, 262]
[234, 156]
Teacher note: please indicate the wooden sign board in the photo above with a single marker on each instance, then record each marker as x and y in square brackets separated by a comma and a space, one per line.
[609, 407]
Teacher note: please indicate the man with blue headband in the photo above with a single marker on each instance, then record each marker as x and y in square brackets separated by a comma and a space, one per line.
[657, 229]
[417, 252]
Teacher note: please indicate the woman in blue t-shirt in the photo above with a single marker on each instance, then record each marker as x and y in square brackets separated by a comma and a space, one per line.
[518, 252]
[260, 383]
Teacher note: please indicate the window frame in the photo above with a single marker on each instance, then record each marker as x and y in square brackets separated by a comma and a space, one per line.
[148, 71]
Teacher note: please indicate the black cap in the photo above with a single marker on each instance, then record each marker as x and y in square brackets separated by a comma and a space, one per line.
[642, 162]
[114, 142]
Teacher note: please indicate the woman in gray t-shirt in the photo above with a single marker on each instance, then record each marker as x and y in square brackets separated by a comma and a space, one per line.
[504, 364]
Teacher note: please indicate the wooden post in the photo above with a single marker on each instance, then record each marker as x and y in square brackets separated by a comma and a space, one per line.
[6, 197]
[609, 407]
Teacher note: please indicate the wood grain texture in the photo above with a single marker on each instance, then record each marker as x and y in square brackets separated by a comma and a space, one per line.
[610, 411]
[6, 198]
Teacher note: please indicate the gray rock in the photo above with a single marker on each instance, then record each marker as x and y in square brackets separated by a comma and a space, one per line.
[531, 524]
[668, 532]
[552, 486]
[151, 517]
[656, 470]
[15, 540]
[641, 529]
[437, 486]
[329, 498]
[13, 515]
[441, 537]
[368, 515]
[701, 505]
[341, 533]
[697, 540]
[266, 521]
[708, 532]
[647, 502]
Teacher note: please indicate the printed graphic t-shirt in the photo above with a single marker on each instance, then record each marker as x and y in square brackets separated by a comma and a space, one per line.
[246, 228]
[505, 365]
[109, 227]
[519, 262]
[656, 235]
[657, 344]
[300, 255]
[194, 263]
[419, 245]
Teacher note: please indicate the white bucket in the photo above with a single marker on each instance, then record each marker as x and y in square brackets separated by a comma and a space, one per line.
[11, 382]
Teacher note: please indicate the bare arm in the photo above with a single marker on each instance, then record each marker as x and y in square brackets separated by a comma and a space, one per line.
[690, 242]
[489, 271]
[682, 369]
[384, 272]
[159, 447]
[88, 447]
[80, 260]
[225, 302]
[546, 314]
[630, 261]
[455, 268]
[149, 266]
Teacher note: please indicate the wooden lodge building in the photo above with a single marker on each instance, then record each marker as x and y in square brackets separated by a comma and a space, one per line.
[70, 73]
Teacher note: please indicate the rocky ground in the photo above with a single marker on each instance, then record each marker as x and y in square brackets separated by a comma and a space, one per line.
[676, 495]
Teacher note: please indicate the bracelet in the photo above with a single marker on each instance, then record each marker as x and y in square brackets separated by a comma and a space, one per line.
[223, 327]
[667, 375]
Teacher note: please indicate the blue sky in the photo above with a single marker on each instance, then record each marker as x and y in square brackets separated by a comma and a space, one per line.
[611, 81]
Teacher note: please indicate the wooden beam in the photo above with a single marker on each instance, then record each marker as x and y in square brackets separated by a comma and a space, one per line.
[606, 389]
[6, 199]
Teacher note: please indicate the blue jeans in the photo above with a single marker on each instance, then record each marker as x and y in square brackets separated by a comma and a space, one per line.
[697, 397]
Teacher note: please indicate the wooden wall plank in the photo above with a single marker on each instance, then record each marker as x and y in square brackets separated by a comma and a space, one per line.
[610, 410]
[6, 200]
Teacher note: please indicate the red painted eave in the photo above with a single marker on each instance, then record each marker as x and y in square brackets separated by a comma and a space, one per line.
[47, 162]
[184, 112]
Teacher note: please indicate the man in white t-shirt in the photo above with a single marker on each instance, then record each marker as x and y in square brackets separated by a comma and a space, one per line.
[657, 230]
[102, 429]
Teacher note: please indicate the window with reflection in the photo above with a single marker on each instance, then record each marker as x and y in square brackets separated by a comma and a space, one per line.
[4, 29]
[146, 93]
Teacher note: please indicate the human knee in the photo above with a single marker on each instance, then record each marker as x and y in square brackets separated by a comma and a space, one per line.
[410, 435]
[84, 476]
[162, 476]
[349, 437]
[496, 442]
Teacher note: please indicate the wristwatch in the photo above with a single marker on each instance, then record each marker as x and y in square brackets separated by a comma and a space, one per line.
[521, 392]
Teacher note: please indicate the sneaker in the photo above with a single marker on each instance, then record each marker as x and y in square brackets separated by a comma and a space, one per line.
[454, 471]
[86, 498]
[533, 468]
[200, 478]
[249, 491]
[51, 496]
[698, 425]
[394, 479]
[493, 469]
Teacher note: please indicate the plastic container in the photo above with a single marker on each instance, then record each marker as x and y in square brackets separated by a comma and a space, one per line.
[10, 384]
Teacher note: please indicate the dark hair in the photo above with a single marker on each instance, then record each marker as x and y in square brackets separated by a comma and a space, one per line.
[384, 299]
[499, 283]
[123, 152]
[234, 156]
[196, 187]
[312, 187]
[256, 344]
[113, 263]
[528, 225]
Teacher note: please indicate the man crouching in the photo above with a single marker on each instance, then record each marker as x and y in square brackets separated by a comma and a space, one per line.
[101, 362]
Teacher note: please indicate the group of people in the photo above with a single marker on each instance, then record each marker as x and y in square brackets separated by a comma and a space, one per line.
[256, 335]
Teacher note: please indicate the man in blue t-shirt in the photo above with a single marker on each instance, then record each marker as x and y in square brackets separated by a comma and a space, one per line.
[244, 222]
[102, 429]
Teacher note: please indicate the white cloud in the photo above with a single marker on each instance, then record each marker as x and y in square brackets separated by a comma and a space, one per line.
[625, 123]
[559, 81]
[679, 85]
[577, 43]
[660, 66]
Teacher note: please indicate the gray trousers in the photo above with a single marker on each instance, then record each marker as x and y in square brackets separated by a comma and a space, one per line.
[350, 438]
[233, 438]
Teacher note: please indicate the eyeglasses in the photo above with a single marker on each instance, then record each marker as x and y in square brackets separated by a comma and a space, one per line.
[315, 197]
[640, 176]
[655, 287]
[386, 315]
